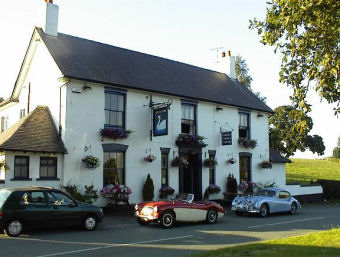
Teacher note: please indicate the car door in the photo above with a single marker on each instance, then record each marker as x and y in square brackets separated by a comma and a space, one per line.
[35, 209]
[65, 211]
[284, 201]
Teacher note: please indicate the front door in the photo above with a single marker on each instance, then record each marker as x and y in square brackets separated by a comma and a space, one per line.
[190, 175]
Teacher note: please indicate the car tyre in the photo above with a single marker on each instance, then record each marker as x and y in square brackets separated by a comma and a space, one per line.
[263, 210]
[211, 216]
[293, 208]
[14, 227]
[142, 222]
[167, 219]
[90, 223]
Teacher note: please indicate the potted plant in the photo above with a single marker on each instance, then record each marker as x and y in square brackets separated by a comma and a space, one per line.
[119, 193]
[91, 161]
[177, 161]
[190, 139]
[166, 191]
[115, 133]
[150, 158]
[210, 163]
[211, 189]
[231, 188]
[265, 165]
[247, 143]
[231, 160]
[247, 188]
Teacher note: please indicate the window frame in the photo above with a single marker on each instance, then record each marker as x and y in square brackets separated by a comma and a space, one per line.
[242, 127]
[55, 159]
[117, 92]
[27, 164]
[194, 105]
[124, 165]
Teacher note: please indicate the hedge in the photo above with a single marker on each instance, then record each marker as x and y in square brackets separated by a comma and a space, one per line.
[331, 188]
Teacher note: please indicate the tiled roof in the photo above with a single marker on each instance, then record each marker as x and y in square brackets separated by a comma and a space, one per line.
[275, 157]
[92, 61]
[34, 133]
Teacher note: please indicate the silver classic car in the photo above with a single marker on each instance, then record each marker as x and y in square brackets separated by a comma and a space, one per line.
[266, 201]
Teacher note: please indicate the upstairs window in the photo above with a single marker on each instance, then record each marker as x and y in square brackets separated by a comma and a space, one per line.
[22, 113]
[188, 124]
[114, 109]
[243, 127]
[3, 125]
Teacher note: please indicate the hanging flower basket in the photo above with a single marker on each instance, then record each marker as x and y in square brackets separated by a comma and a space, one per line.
[91, 162]
[210, 163]
[119, 193]
[165, 192]
[265, 165]
[231, 161]
[115, 133]
[150, 158]
[179, 162]
[4, 165]
[247, 143]
[190, 139]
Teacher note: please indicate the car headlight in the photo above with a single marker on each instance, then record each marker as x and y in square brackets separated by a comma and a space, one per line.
[236, 201]
[136, 207]
[250, 203]
[149, 211]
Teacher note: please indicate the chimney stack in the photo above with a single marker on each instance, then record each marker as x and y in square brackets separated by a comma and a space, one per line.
[51, 24]
[232, 70]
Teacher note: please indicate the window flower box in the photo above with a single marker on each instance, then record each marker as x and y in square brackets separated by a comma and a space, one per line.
[179, 162]
[247, 143]
[118, 193]
[115, 133]
[231, 161]
[187, 139]
[150, 158]
[210, 163]
[91, 162]
[265, 165]
[165, 192]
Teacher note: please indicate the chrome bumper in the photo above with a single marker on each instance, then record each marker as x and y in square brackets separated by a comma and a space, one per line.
[244, 208]
[145, 217]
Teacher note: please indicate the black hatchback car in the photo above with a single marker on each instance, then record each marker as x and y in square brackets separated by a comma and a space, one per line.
[33, 207]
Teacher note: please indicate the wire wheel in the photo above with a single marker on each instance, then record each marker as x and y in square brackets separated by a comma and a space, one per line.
[293, 208]
[167, 219]
[211, 216]
[263, 210]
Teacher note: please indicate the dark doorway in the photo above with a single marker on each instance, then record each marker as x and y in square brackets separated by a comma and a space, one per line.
[190, 175]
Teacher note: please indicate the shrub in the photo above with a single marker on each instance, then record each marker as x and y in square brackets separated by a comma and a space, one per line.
[336, 152]
[148, 189]
[89, 196]
[211, 189]
[231, 187]
[330, 188]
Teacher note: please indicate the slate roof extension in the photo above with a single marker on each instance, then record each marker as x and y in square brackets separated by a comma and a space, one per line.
[275, 157]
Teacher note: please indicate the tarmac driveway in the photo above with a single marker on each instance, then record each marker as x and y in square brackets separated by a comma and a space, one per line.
[122, 236]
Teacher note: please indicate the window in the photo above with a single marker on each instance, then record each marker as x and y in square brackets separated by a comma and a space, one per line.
[284, 195]
[59, 199]
[245, 173]
[188, 124]
[4, 123]
[114, 168]
[243, 127]
[33, 198]
[114, 109]
[48, 167]
[164, 169]
[212, 170]
[22, 113]
[21, 167]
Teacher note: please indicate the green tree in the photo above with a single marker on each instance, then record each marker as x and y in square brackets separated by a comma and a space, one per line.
[241, 69]
[307, 34]
[289, 130]
[336, 150]
[148, 189]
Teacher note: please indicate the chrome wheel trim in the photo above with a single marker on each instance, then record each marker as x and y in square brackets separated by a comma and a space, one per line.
[212, 216]
[167, 219]
[14, 227]
[293, 208]
[90, 223]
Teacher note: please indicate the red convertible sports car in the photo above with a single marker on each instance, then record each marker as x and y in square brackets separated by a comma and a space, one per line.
[182, 209]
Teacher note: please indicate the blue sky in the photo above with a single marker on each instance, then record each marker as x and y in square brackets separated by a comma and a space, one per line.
[180, 30]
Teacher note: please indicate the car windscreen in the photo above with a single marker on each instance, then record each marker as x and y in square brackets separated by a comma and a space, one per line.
[3, 196]
[266, 193]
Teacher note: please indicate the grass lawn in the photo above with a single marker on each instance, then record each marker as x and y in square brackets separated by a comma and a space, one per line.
[304, 170]
[321, 244]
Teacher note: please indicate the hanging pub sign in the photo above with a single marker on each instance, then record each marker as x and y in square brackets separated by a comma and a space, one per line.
[160, 122]
[226, 138]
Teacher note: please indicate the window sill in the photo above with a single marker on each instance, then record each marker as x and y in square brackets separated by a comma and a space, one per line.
[21, 179]
[51, 179]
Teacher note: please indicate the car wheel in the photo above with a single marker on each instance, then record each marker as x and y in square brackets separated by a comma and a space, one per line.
[263, 210]
[211, 216]
[14, 228]
[142, 222]
[293, 208]
[167, 219]
[90, 223]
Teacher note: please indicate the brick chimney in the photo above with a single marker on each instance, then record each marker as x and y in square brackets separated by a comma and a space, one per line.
[51, 24]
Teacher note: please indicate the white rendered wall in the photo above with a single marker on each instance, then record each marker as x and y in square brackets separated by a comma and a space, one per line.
[304, 190]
